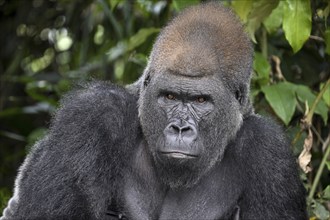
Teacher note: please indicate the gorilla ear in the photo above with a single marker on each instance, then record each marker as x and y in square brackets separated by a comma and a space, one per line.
[139, 85]
[238, 96]
[146, 80]
[241, 94]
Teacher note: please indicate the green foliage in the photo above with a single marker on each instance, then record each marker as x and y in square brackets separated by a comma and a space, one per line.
[262, 68]
[51, 45]
[320, 211]
[282, 99]
[274, 21]
[179, 4]
[5, 195]
[242, 9]
[260, 10]
[305, 94]
[295, 15]
[327, 41]
[297, 22]
[326, 95]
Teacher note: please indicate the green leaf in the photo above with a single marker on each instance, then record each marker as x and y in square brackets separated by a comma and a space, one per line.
[8, 112]
[327, 40]
[326, 11]
[282, 99]
[326, 192]
[297, 22]
[36, 135]
[119, 69]
[114, 3]
[260, 10]
[5, 195]
[140, 37]
[117, 51]
[275, 19]
[242, 8]
[304, 93]
[262, 68]
[328, 164]
[139, 59]
[136, 40]
[181, 4]
[39, 90]
[326, 95]
[320, 211]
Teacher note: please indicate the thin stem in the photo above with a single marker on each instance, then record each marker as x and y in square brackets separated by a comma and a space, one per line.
[263, 42]
[318, 98]
[114, 22]
[319, 172]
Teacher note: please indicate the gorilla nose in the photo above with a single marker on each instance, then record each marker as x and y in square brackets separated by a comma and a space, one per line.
[180, 129]
[184, 131]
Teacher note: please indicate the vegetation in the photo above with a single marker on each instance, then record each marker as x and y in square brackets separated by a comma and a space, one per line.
[49, 45]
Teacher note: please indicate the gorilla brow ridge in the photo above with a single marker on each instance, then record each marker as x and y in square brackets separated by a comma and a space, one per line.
[179, 73]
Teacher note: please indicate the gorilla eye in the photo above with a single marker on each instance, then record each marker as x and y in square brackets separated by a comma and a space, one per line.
[201, 99]
[170, 96]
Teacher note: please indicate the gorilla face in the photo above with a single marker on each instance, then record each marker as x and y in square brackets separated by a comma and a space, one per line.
[187, 123]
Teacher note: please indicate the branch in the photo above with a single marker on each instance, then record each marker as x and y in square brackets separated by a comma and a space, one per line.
[326, 146]
[308, 118]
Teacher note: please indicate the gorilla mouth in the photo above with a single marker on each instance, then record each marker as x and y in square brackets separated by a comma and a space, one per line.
[179, 154]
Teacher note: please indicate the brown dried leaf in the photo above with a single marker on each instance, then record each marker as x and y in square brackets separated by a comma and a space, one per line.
[305, 156]
[277, 67]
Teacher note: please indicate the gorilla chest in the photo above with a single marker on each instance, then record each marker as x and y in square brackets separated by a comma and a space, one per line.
[215, 197]
[202, 203]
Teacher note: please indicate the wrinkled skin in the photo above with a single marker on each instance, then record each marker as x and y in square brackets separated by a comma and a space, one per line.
[183, 142]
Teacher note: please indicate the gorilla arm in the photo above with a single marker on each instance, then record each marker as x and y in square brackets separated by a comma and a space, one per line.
[75, 170]
[274, 190]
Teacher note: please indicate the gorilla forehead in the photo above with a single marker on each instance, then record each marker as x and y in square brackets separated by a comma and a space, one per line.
[175, 82]
[185, 60]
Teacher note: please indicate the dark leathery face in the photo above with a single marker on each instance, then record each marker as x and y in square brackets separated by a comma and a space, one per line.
[187, 122]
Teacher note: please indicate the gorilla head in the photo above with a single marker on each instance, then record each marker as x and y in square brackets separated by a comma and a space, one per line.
[194, 93]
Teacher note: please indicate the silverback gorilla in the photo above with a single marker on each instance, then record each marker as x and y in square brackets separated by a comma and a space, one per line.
[182, 142]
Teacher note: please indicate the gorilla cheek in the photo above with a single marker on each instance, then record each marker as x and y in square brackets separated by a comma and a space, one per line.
[153, 122]
[219, 131]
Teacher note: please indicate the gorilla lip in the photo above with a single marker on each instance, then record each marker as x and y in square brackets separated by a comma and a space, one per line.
[178, 154]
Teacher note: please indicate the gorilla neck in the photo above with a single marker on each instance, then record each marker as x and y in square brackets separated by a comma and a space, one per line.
[147, 195]
[173, 174]
[178, 175]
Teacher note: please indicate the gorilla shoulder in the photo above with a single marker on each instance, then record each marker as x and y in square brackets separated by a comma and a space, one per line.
[108, 108]
[269, 172]
[76, 170]
[264, 133]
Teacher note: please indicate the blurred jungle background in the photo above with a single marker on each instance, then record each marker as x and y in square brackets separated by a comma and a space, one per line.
[49, 45]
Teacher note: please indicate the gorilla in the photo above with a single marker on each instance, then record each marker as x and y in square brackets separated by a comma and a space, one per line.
[182, 142]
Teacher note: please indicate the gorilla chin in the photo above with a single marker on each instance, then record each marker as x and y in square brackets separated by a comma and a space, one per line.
[178, 164]
[177, 172]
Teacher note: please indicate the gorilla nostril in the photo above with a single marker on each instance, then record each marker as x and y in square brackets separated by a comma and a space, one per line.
[175, 128]
[184, 129]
